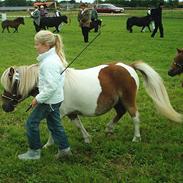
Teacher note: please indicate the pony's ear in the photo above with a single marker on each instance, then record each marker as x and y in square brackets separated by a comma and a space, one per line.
[11, 72]
[179, 50]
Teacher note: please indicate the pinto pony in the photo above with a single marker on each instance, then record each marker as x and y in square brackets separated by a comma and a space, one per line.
[12, 23]
[94, 91]
[138, 21]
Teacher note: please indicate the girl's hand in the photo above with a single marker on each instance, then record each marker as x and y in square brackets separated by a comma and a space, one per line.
[34, 103]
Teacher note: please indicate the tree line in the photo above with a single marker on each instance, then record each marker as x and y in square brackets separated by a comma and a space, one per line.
[123, 3]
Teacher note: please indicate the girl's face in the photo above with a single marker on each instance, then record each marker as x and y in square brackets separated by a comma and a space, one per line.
[41, 48]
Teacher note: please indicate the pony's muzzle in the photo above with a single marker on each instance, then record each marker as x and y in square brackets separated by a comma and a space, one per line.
[8, 107]
[170, 73]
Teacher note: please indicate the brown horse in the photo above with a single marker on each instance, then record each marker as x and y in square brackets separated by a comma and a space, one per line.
[12, 23]
[177, 65]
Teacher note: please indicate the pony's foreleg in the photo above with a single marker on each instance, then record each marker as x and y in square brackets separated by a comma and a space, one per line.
[8, 29]
[16, 30]
[76, 120]
[143, 29]
[149, 28]
[49, 142]
[130, 29]
[57, 29]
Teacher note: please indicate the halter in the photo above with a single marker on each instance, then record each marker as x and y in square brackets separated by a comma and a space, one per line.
[179, 65]
[14, 97]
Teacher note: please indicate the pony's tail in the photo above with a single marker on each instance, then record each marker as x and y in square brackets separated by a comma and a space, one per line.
[128, 24]
[156, 90]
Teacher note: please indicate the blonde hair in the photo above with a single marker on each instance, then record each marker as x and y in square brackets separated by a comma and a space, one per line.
[47, 37]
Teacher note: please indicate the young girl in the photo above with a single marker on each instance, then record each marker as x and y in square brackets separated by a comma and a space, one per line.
[47, 103]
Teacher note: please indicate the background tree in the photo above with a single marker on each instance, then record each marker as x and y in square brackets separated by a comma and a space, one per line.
[15, 2]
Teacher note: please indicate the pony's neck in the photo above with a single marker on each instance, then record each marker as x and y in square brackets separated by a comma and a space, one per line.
[28, 79]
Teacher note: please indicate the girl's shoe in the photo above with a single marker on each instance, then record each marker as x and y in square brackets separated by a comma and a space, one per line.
[30, 155]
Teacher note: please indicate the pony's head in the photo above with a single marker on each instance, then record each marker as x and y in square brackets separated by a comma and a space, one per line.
[20, 20]
[18, 84]
[64, 19]
[177, 65]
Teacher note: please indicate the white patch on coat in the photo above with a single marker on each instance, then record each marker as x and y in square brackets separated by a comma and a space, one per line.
[81, 90]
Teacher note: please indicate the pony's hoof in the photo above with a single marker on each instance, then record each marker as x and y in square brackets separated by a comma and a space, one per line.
[88, 140]
[46, 146]
[136, 139]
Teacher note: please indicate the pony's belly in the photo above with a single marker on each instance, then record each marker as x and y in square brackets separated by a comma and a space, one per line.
[81, 104]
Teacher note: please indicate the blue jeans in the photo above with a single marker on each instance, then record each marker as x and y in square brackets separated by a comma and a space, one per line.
[52, 115]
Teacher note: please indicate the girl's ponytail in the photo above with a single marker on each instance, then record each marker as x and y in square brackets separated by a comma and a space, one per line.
[59, 49]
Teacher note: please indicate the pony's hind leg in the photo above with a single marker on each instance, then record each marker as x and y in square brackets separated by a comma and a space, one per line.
[136, 122]
[129, 99]
[76, 120]
[120, 110]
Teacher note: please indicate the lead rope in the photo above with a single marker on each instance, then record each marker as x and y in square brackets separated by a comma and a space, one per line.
[81, 52]
[30, 106]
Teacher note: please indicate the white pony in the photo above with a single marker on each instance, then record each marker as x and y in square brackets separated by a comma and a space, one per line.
[93, 91]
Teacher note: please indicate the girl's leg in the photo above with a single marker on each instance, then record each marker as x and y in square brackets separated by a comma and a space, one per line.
[39, 112]
[56, 128]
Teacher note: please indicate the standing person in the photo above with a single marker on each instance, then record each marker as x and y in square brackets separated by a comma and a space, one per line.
[84, 21]
[94, 18]
[157, 17]
[149, 14]
[152, 22]
[43, 11]
[46, 104]
[94, 14]
[58, 13]
[36, 18]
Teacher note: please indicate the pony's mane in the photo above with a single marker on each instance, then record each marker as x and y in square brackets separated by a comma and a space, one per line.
[28, 79]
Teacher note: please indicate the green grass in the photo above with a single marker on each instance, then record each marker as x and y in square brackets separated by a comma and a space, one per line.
[108, 159]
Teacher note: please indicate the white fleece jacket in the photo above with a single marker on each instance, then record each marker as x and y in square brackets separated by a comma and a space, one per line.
[51, 82]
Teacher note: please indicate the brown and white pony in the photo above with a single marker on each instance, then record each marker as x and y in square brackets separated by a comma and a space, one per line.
[177, 65]
[94, 91]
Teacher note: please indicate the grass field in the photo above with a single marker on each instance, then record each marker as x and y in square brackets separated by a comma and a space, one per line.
[115, 159]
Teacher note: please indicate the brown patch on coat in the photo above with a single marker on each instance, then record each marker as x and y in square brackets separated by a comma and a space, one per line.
[118, 86]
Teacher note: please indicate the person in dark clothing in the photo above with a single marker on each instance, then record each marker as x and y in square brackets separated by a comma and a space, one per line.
[94, 18]
[84, 21]
[36, 18]
[43, 11]
[157, 18]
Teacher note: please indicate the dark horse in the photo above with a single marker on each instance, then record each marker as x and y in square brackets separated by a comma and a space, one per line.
[139, 21]
[95, 25]
[46, 22]
[177, 65]
[12, 23]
